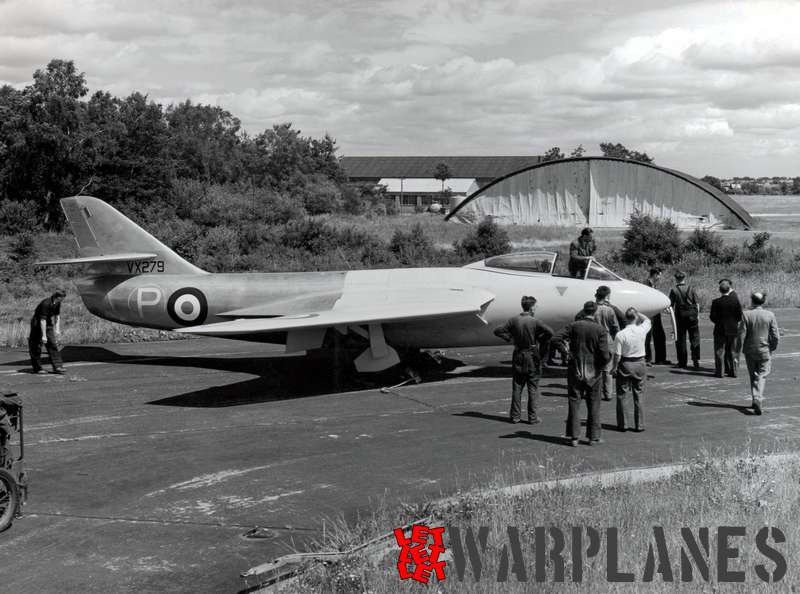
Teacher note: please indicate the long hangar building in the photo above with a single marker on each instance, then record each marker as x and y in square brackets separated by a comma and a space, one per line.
[594, 191]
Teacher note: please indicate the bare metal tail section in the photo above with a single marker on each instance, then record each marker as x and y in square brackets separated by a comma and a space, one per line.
[113, 244]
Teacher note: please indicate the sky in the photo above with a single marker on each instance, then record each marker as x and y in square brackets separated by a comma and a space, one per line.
[709, 88]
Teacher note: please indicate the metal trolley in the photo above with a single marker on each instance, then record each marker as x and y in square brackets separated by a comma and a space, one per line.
[13, 481]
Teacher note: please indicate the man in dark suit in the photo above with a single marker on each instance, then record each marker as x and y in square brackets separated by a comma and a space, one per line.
[726, 313]
[588, 356]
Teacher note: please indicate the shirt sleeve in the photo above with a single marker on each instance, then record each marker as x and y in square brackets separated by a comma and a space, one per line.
[646, 325]
[618, 346]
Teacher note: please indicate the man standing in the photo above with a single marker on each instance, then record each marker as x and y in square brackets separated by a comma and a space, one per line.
[726, 313]
[580, 252]
[588, 354]
[606, 316]
[687, 312]
[758, 333]
[656, 334]
[630, 369]
[529, 336]
[46, 329]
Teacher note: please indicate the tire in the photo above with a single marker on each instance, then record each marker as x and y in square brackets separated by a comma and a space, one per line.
[9, 499]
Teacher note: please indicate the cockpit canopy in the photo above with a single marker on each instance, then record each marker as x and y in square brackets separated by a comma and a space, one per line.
[543, 263]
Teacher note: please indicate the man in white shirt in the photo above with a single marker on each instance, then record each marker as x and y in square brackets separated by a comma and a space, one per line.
[630, 369]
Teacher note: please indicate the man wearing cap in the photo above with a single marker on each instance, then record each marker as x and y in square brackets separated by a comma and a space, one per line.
[588, 354]
[529, 336]
[759, 337]
[46, 329]
[726, 313]
[630, 369]
[580, 252]
[657, 337]
[683, 299]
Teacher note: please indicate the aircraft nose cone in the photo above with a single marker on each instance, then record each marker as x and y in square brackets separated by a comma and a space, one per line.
[655, 301]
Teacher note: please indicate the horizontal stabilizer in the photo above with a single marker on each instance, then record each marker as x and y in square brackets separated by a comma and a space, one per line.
[106, 259]
[473, 302]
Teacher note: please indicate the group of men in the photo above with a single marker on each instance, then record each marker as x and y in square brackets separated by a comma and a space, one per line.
[752, 333]
[604, 343]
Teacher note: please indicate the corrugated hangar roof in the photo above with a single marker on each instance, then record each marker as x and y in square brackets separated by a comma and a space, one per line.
[419, 167]
[720, 196]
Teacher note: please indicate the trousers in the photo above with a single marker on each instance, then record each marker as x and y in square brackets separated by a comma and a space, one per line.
[726, 353]
[577, 390]
[35, 348]
[693, 330]
[758, 368]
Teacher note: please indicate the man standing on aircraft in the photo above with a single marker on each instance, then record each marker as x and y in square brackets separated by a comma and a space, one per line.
[529, 337]
[759, 337]
[726, 313]
[588, 355]
[606, 316]
[630, 369]
[687, 312]
[46, 329]
[656, 334]
[580, 252]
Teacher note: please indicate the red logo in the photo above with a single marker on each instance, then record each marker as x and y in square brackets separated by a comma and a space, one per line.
[418, 559]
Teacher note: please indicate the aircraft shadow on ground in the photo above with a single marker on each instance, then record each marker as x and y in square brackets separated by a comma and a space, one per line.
[281, 377]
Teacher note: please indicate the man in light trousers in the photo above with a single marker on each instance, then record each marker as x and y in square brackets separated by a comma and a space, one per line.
[630, 369]
[759, 337]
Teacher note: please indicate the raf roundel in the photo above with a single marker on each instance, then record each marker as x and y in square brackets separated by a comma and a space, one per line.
[188, 307]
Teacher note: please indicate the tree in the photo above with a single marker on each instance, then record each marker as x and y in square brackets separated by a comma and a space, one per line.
[619, 151]
[795, 186]
[577, 151]
[204, 141]
[442, 172]
[713, 181]
[553, 154]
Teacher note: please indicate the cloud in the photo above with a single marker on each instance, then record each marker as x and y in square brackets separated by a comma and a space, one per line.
[682, 81]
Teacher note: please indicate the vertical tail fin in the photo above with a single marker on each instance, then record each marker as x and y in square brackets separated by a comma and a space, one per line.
[102, 232]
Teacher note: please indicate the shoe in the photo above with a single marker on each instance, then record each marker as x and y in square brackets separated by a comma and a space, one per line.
[638, 430]
[59, 371]
[606, 399]
[514, 421]
[730, 375]
[534, 421]
[664, 362]
[623, 428]
[597, 441]
[757, 408]
[718, 375]
[573, 443]
[696, 364]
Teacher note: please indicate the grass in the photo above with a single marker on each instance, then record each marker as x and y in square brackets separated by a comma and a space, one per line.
[753, 491]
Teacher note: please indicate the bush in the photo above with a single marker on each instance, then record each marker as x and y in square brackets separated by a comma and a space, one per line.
[22, 249]
[321, 196]
[759, 252]
[704, 241]
[413, 248]
[219, 250]
[650, 241]
[16, 217]
[488, 239]
[353, 201]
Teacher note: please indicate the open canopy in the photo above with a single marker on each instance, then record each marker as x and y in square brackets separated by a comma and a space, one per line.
[542, 262]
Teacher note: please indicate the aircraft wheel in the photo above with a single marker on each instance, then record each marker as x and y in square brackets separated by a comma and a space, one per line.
[9, 499]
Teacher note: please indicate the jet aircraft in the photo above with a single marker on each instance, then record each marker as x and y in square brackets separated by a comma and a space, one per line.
[135, 279]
